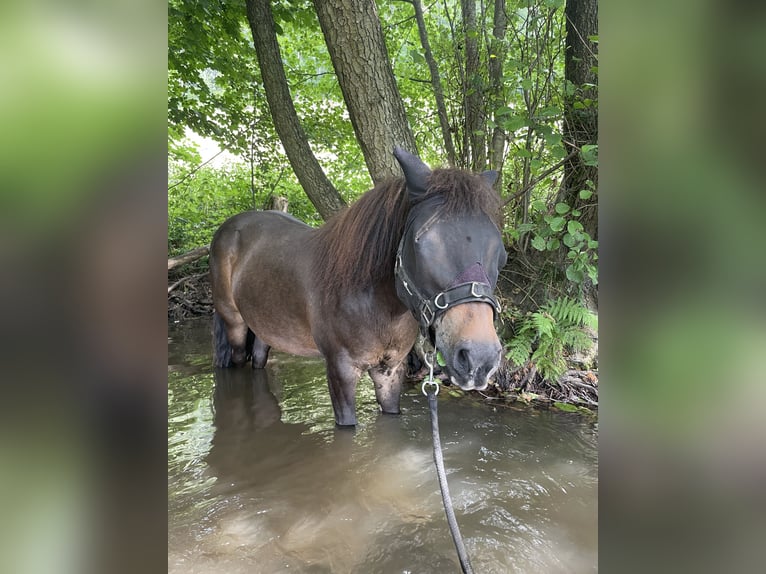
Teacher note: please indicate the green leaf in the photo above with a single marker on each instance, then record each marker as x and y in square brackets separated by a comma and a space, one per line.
[557, 223]
[590, 154]
[440, 359]
[568, 240]
[561, 208]
[417, 57]
[538, 243]
[538, 205]
[574, 226]
[512, 123]
[523, 152]
[552, 244]
[566, 407]
[575, 275]
[549, 112]
[585, 194]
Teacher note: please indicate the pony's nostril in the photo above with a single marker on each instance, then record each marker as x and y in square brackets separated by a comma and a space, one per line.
[463, 360]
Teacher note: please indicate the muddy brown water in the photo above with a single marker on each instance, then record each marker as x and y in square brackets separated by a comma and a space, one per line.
[259, 479]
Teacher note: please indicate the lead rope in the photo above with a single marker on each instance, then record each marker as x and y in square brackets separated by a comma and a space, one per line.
[431, 389]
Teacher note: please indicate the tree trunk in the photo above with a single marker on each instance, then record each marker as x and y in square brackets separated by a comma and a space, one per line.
[496, 58]
[472, 90]
[318, 188]
[359, 55]
[580, 118]
[436, 83]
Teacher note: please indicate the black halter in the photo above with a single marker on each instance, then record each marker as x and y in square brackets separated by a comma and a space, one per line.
[470, 285]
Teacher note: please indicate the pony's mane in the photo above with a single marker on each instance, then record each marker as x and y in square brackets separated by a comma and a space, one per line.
[357, 247]
[463, 192]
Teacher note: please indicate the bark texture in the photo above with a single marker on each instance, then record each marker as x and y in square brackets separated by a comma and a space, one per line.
[496, 58]
[436, 83]
[474, 140]
[312, 178]
[359, 55]
[581, 123]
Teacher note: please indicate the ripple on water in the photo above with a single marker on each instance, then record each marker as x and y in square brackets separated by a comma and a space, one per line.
[261, 481]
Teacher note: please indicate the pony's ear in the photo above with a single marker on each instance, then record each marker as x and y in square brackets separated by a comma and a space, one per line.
[415, 171]
[490, 176]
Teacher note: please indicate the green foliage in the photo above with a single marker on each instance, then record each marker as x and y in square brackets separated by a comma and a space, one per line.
[214, 89]
[544, 336]
[211, 75]
[201, 198]
[562, 226]
[200, 203]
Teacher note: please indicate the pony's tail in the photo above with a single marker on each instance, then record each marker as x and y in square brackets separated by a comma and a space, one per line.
[221, 346]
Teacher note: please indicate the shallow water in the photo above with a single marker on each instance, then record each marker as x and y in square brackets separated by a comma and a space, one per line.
[259, 479]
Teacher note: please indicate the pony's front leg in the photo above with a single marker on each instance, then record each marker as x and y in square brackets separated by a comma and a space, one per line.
[388, 386]
[342, 377]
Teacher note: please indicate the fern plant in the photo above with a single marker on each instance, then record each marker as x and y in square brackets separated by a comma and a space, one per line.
[543, 337]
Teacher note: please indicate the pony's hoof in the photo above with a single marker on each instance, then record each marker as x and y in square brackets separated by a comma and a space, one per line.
[350, 424]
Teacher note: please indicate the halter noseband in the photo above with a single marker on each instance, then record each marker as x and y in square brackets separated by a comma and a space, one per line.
[470, 285]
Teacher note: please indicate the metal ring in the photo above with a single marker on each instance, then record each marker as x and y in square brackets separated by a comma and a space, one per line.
[473, 289]
[434, 383]
[436, 301]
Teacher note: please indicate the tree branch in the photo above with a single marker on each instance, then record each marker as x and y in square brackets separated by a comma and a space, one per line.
[539, 178]
[188, 257]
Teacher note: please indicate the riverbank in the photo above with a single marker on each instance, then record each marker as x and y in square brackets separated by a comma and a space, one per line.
[190, 296]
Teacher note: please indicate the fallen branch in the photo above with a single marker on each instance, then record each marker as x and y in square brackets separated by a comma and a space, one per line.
[185, 279]
[188, 257]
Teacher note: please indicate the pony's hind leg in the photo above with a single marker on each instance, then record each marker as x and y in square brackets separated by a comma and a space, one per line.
[260, 352]
[221, 345]
[230, 335]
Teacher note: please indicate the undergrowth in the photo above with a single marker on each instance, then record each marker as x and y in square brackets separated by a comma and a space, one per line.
[545, 336]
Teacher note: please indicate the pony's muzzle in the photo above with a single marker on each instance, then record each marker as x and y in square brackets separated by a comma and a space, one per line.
[466, 337]
[473, 364]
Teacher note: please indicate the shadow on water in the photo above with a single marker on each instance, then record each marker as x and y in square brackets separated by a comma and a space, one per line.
[261, 481]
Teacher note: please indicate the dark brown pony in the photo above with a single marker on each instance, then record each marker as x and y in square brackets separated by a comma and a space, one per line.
[422, 251]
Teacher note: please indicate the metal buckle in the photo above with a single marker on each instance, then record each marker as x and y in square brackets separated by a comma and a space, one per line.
[436, 301]
[429, 359]
[426, 318]
[473, 289]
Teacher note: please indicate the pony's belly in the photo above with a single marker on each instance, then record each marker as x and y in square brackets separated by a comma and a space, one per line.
[292, 345]
[283, 333]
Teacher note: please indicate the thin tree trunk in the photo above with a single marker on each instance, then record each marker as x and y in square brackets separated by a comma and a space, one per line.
[496, 58]
[472, 89]
[312, 178]
[436, 83]
[355, 41]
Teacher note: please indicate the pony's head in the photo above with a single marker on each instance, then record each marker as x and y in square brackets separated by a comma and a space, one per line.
[447, 266]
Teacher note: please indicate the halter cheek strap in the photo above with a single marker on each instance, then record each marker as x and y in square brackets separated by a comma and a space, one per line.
[472, 285]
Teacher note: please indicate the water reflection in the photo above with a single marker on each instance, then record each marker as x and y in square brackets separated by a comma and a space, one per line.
[261, 481]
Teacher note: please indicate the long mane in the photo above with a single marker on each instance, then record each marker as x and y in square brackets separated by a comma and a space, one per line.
[356, 248]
